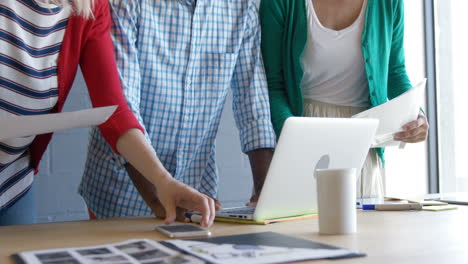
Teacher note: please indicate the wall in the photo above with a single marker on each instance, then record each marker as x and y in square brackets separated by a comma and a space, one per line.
[60, 172]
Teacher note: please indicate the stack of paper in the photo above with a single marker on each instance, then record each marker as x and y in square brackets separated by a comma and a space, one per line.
[22, 126]
[394, 114]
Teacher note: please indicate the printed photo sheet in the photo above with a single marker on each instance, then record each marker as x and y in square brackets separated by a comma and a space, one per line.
[137, 251]
[254, 254]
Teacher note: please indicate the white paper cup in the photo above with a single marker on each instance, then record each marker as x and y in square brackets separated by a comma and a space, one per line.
[336, 191]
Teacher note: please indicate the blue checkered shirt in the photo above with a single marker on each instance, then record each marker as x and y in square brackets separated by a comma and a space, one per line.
[177, 60]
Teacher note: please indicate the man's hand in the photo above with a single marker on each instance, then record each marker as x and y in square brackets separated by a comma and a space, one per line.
[415, 131]
[171, 199]
[260, 160]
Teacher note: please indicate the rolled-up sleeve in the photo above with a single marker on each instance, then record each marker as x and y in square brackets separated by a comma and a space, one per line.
[102, 79]
[250, 92]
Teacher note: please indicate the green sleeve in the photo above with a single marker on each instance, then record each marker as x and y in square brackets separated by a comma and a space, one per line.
[272, 19]
[398, 81]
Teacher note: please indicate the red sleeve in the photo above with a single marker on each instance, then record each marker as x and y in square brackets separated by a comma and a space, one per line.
[100, 73]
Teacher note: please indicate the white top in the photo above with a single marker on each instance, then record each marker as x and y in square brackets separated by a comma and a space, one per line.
[333, 64]
[30, 40]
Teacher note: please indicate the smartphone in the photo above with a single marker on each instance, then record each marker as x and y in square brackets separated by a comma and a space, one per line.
[183, 230]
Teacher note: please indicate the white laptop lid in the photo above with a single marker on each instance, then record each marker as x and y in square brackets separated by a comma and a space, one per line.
[305, 144]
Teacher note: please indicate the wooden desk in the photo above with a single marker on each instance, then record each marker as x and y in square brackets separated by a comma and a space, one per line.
[387, 237]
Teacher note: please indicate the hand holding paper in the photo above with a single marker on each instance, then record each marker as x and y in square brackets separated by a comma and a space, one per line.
[395, 114]
[415, 131]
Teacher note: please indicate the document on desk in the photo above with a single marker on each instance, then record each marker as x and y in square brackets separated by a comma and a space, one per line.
[134, 251]
[253, 248]
[256, 248]
[21, 126]
[394, 114]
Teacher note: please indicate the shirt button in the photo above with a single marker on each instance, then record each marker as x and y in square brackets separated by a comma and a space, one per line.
[364, 43]
[187, 118]
[367, 60]
[371, 78]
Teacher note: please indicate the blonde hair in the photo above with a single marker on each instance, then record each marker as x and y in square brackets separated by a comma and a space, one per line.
[82, 8]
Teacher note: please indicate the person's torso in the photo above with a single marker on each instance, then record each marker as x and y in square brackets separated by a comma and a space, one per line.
[382, 36]
[334, 70]
[188, 53]
[30, 40]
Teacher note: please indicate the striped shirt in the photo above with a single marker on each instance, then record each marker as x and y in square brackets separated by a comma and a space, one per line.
[177, 60]
[30, 40]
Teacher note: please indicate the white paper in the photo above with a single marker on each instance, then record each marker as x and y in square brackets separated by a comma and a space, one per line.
[253, 254]
[21, 126]
[394, 114]
[135, 251]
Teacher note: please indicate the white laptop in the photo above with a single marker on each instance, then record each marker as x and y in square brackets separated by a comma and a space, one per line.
[306, 144]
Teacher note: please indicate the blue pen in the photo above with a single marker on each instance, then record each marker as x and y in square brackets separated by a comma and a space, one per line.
[194, 218]
[392, 206]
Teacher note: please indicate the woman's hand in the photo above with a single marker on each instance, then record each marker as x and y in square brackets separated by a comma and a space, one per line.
[415, 131]
[173, 194]
[156, 185]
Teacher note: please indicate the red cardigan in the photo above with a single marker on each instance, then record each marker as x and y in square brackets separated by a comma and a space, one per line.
[87, 43]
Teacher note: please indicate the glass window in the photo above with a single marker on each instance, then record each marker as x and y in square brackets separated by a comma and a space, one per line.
[406, 169]
[451, 66]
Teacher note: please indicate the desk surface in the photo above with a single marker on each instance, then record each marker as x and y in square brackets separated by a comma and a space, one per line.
[386, 237]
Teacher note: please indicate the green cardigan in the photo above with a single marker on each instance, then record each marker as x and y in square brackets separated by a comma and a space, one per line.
[284, 36]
